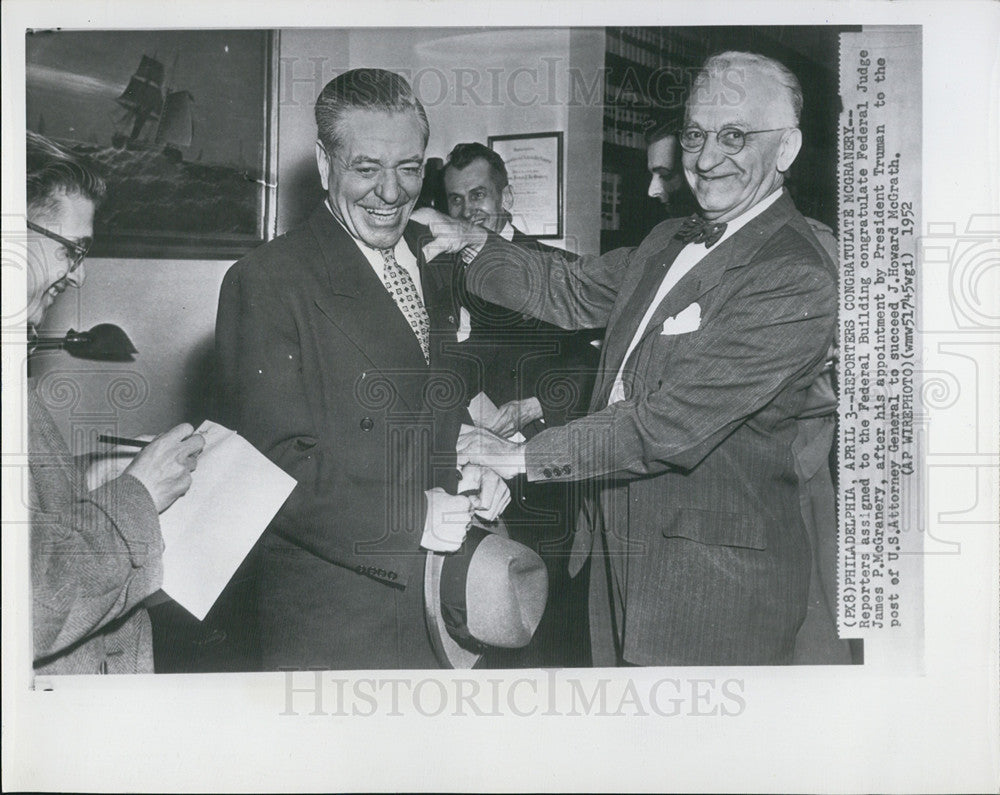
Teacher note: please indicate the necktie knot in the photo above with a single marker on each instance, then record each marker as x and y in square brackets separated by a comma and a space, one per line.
[389, 263]
[697, 230]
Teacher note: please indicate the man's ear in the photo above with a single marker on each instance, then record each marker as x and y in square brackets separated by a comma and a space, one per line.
[323, 165]
[507, 198]
[788, 149]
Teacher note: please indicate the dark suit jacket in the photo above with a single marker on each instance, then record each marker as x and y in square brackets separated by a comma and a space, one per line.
[513, 356]
[699, 505]
[322, 373]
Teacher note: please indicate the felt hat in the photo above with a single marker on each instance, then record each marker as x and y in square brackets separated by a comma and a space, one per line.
[490, 592]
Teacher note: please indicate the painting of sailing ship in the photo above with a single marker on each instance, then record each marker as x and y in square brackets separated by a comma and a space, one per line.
[179, 123]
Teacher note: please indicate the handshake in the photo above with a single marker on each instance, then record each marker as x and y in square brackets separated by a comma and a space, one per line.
[485, 461]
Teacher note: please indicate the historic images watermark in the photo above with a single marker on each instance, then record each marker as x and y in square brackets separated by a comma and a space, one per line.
[550, 693]
[550, 83]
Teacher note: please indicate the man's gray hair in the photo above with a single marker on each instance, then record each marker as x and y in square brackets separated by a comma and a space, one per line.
[363, 89]
[719, 64]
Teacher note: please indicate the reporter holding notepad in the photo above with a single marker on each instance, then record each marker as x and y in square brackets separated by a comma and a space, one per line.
[96, 553]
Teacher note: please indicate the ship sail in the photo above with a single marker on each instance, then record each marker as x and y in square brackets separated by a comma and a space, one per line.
[143, 97]
[177, 125]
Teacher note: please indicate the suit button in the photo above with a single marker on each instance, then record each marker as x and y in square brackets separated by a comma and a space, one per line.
[393, 575]
[367, 424]
[547, 472]
[567, 469]
[451, 318]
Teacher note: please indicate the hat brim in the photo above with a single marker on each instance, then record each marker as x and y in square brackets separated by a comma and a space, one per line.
[448, 651]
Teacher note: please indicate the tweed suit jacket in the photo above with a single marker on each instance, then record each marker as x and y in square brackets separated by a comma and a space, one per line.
[95, 556]
[706, 551]
[322, 373]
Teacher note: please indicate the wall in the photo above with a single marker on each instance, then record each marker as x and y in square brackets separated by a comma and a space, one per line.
[167, 307]
[474, 83]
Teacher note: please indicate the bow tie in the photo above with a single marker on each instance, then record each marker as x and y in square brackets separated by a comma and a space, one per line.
[697, 230]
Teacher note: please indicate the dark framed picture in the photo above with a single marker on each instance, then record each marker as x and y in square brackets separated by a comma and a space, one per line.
[535, 167]
[181, 125]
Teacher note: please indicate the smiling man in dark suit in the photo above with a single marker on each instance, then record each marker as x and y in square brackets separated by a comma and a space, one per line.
[329, 339]
[717, 328]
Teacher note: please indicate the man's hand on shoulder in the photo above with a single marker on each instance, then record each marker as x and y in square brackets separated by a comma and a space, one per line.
[451, 235]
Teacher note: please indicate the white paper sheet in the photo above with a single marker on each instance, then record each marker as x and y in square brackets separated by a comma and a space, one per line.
[483, 410]
[234, 494]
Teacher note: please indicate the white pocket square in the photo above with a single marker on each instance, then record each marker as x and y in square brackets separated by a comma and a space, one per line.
[464, 324]
[683, 322]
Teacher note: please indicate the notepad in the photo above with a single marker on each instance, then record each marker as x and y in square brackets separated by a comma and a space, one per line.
[235, 492]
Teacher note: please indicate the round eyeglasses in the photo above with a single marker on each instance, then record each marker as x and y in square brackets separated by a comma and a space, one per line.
[731, 140]
[75, 251]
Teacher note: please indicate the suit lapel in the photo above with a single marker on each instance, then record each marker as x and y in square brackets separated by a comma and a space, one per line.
[705, 275]
[357, 303]
[616, 342]
[435, 281]
[734, 252]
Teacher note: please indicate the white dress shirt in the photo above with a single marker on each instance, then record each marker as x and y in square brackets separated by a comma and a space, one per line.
[404, 257]
[687, 258]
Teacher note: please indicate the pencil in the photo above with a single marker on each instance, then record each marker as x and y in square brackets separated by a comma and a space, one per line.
[123, 440]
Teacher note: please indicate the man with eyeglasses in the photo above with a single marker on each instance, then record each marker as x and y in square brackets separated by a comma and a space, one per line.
[96, 548]
[330, 341]
[717, 328]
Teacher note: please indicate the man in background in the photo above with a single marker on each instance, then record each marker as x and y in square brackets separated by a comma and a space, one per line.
[539, 376]
[96, 548]
[526, 365]
[666, 177]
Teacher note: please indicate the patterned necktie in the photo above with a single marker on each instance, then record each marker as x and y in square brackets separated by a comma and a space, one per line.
[697, 230]
[400, 285]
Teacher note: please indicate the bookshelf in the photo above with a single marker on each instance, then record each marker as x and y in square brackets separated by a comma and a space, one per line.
[646, 75]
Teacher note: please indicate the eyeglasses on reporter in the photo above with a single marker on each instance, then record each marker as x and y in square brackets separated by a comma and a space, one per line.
[76, 252]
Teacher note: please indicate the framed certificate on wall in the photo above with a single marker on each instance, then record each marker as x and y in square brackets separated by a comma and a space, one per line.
[535, 168]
